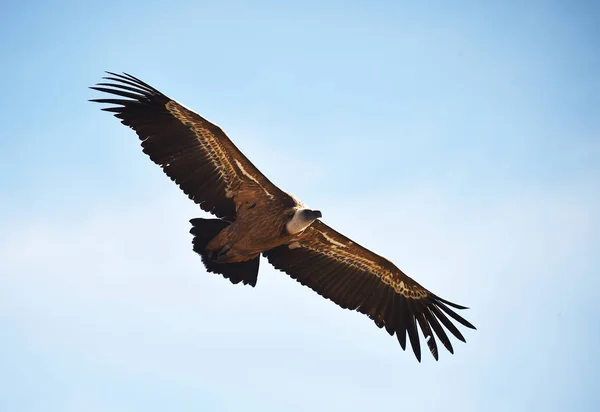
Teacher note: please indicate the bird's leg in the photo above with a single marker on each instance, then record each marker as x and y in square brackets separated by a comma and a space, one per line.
[221, 253]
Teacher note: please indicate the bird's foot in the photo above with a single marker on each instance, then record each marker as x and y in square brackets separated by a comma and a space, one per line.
[221, 254]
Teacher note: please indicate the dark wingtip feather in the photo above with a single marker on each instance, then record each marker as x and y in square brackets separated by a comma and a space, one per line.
[122, 93]
[428, 334]
[433, 347]
[413, 337]
[113, 101]
[454, 315]
[401, 336]
[122, 76]
[431, 343]
[132, 77]
[141, 86]
[454, 305]
[439, 331]
[123, 86]
[402, 327]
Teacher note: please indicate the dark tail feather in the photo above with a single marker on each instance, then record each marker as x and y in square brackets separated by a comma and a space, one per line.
[204, 230]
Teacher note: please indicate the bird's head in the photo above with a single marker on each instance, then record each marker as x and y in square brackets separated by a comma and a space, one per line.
[301, 219]
[310, 214]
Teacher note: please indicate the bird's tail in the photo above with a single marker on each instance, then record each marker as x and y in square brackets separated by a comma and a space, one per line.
[204, 230]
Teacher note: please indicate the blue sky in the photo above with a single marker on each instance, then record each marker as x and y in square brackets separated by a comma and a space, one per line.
[459, 139]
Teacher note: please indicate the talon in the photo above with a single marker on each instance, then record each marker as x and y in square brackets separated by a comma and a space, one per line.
[224, 249]
[209, 253]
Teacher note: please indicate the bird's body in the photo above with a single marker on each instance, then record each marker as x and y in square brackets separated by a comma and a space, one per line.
[253, 232]
[255, 217]
[256, 229]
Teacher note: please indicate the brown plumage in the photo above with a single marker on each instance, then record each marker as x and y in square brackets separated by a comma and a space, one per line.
[256, 217]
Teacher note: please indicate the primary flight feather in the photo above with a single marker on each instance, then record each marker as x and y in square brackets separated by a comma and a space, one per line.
[255, 217]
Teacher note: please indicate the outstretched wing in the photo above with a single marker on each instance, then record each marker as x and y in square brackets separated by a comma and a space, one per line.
[356, 278]
[192, 151]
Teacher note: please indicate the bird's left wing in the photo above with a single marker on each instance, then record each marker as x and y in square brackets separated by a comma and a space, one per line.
[192, 151]
[355, 278]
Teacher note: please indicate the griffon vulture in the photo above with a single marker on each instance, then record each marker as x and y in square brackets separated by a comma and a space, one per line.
[255, 217]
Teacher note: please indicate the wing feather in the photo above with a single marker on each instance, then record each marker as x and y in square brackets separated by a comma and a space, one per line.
[439, 331]
[403, 314]
[357, 279]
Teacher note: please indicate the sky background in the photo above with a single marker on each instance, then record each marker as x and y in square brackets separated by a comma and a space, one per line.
[459, 139]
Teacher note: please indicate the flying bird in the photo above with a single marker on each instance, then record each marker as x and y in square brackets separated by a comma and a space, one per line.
[254, 217]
